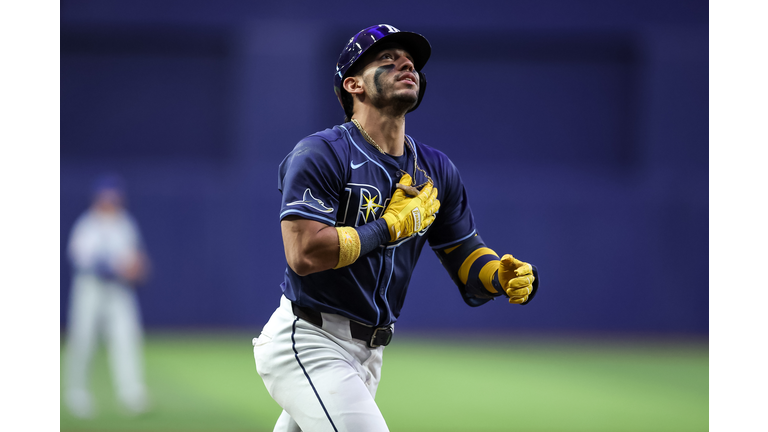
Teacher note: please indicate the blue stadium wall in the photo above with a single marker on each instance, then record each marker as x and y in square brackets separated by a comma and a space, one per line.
[580, 129]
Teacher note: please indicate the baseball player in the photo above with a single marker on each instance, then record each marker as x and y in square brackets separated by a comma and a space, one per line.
[359, 201]
[105, 248]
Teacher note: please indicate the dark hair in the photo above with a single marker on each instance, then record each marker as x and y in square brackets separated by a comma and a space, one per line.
[348, 103]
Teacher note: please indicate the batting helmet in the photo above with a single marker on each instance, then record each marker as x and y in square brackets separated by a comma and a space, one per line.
[416, 45]
[108, 181]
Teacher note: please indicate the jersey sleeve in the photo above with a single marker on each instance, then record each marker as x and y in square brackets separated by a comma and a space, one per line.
[454, 222]
[310, 181]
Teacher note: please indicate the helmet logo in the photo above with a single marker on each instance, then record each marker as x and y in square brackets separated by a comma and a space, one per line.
[390, 28]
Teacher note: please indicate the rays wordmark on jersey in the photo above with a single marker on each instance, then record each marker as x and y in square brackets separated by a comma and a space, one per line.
[361, 203]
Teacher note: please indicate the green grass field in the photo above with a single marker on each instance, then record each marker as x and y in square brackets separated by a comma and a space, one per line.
[208, 382]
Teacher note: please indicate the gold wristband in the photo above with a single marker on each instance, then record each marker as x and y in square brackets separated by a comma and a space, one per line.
[349, 246]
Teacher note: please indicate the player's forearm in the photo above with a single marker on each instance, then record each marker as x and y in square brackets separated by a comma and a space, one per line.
[310, 247]
[355, 242]
[477, 271]
[87, 261]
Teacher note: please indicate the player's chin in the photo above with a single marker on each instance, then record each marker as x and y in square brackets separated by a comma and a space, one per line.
[405, 99]
[408, 90]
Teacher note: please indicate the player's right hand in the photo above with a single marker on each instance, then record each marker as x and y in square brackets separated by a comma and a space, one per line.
[407, 215]
[134, 267]
[516, 277]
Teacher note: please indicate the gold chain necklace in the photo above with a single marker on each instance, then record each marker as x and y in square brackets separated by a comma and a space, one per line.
[366, 136]
[408, 144]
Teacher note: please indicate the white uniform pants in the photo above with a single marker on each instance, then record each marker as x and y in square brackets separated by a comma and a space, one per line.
[109, 308]
[322, 378]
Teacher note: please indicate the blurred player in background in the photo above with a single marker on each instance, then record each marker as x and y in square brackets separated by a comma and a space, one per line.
[359, 201]
[108, 259]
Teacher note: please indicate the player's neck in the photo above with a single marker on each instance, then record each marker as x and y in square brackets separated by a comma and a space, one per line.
[387, 132]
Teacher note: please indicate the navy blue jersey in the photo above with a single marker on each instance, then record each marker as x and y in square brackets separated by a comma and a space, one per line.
[336, 177]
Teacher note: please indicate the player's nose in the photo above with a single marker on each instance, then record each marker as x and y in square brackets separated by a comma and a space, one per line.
[405, 64]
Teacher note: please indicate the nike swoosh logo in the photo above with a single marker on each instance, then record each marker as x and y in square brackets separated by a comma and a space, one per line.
[356, 166]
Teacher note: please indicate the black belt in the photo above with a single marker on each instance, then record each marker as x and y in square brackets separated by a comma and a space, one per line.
[373, 336]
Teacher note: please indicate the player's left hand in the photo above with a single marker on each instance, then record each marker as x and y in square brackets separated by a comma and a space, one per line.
[516, 277]
[407, 214]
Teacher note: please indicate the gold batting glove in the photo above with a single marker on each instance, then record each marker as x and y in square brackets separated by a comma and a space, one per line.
[516, 277]
[406, 215]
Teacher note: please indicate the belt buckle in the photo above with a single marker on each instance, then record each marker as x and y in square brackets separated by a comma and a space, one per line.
[375, 333]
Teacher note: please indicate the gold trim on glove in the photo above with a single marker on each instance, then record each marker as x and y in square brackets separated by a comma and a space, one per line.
[349, 246]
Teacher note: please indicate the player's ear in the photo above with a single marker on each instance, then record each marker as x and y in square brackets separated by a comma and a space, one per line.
[353, 84]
